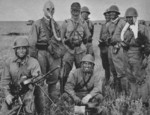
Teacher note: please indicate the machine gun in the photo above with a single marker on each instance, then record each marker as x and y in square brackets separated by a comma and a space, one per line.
[19, 90]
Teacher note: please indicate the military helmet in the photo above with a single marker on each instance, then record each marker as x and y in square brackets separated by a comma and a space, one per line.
[88, 58]
[85, 9]
[75, 6]
[21, 42]
[131, 12]
[114, 8]
[107, 11]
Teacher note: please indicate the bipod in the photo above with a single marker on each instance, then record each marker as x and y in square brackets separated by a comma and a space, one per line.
[54, 105]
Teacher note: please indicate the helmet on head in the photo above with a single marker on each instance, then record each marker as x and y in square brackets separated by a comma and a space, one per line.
[85, 9]
[21, 42]
[75, 6]
[131, 12]
[107, 11]
[114, 8]
[88, 58]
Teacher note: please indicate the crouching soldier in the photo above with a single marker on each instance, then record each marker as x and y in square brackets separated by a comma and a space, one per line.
[83, 86]
[16, 71]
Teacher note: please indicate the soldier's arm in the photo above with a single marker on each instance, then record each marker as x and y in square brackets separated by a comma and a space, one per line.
[97, 86]
[92, 30]
[63, 31]
[33, 37]
[117, 34]
[87, 33]
[6, 79]
[35, 69]
[70, 85]
[147, 41]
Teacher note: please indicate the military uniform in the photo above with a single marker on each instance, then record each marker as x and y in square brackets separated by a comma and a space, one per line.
[135, 54]
[116, 53]
[14, 70]
[76, 53]
[42, 48]
[89, 44]
[75, 85]
[104, 50]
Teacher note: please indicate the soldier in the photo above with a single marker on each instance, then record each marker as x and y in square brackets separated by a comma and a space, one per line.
[48, 49]
[104, 47]
[84, 15]
[115, 51]
[74, 33]
[83, 85]
[137, 41]
[16, 70]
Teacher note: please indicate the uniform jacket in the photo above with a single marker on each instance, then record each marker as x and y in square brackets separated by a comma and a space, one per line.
[91, 29]
[75, 84]
[68, 27]
[114, 29]
[104, 33]
[142, 39]
[14, 69]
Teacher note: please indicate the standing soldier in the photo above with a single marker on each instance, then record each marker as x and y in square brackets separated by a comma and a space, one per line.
[74, 33]
[48, 49]
[104, 46]
[16, 70]
[137, 40]
[115, 52]
[84, 15]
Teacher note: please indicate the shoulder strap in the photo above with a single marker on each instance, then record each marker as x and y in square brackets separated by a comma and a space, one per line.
[75, 28]
[85, 83]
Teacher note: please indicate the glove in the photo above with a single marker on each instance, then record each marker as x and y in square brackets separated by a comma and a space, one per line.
[9, 99]
[86, 99]
[77, 100]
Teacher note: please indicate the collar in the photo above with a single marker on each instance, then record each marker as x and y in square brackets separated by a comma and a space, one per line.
[21, 62]
[76, 21]
[46, 18]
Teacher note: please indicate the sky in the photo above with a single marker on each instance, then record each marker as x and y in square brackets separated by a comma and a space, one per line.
[23, 10]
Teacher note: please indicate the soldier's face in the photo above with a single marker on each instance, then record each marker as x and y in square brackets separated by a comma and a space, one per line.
[85, 15]
[75, 12]
[107, 17]
[87, 67]
[130, 20]
[21, 52]
[113, 15]
[49, 12]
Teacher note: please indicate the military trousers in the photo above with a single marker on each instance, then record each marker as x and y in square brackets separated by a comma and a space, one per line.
[47, 62]
[117, 62]
[105, 61]
[68, 60]
[89, 47]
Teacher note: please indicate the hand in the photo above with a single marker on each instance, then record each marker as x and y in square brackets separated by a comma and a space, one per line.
[77, 100]
[145, 62]
[9, 99]
[86, 99]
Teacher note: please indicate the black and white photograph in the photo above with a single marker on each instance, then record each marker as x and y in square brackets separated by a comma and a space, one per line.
[74, 57]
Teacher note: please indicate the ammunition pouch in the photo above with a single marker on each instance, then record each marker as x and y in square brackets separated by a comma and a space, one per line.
[76, 42]
[41, 46]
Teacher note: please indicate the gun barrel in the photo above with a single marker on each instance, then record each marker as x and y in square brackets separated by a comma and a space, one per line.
[44, 77]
